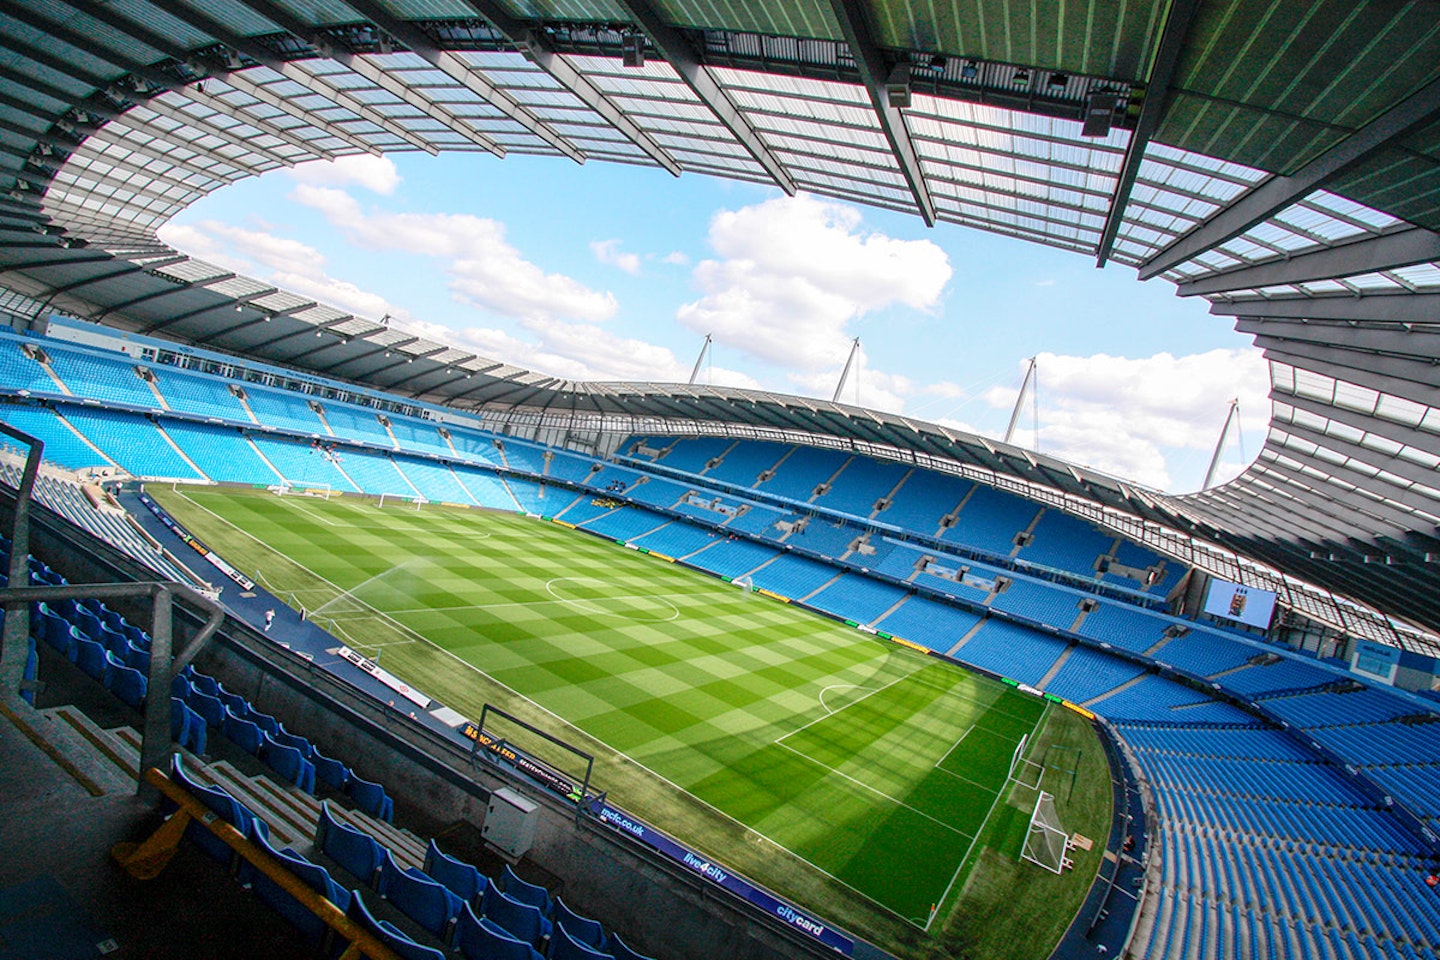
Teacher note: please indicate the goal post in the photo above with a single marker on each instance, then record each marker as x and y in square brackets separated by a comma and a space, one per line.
[745, 584]
[418, 499]
[1023, 770]
[1046, 842]
[287, 488]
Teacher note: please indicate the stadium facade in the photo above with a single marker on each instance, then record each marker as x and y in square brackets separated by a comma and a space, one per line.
[1279, 160]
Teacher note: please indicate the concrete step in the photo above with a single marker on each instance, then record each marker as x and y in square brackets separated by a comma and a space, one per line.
[93, 769]
[119, 756]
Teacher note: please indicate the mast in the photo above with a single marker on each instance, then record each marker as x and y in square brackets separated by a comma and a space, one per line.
[844, 374]
[704, 349]
[1220, 444]
[1020, 400]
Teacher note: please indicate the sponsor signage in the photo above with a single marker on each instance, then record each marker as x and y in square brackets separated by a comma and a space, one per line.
[186, 537]
[716, 874]
[385, 677]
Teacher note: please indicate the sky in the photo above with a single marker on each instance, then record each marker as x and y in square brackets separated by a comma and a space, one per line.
[616, 272]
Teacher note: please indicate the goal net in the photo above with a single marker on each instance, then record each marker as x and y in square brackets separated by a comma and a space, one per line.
[418, 501]
[300, 487]
[1046, 842]
[1023, 770]
[745, 584]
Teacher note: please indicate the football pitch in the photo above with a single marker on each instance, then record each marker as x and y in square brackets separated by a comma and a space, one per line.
[876, 765]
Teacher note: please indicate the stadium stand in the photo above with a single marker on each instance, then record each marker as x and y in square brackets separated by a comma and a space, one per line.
[303, 464]
[133, 442]
[220, 452]
[200, 394]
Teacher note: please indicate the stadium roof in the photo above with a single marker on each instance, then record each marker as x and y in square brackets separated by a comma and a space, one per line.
[1280, 159]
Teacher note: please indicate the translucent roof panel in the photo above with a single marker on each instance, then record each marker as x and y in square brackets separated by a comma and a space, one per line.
[1017, 173]
[1173, 191]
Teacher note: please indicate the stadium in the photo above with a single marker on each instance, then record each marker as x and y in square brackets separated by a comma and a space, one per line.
[323, 636]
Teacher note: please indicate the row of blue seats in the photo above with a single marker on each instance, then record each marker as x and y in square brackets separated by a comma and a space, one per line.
[446, 898]
[1328, 708]
[114, 652]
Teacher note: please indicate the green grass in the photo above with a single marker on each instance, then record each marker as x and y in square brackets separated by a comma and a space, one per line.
[823, 762]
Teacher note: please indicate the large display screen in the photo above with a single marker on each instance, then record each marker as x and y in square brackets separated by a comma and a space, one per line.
[1250, 606]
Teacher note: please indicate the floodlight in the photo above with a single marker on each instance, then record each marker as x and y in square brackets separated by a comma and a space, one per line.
[632, 50]
[897, 88]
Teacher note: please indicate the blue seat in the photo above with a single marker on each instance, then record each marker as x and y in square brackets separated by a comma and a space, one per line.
[32, 670]
[459, 877]
[587, 931]
[355, 851]
[187, 727]
[265, 722]
[419, 897]
[210, 708]
[112, 620]
[205, 683]
[371, 798]
[565, 947]
[88, 623]
[137, 636]
[531, 893]
[289, 764]
[128, 685]
[620, 951]
[229, 809]
[272, 894]
[92, 658]
[180, 687]
[235, 703]
[387, 933]
[332, 773]
[66, 638]
[114, 641]
[520, 920]
[135, 658]
[244, 734]
[287, 739]
[481, 939]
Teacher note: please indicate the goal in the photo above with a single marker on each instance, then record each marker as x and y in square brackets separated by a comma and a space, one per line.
[292, 487]
[416, 499]
[1023, 770]
[1046, 842]
[745, 584]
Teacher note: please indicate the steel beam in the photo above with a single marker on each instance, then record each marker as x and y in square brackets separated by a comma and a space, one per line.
[681, 56]
[473, 80]
[1416, 342]
[1281, 190]
[332, 48]
[853, 17]
[535, 48]
[1370, 367]
[1370, 307]
[263, 55]
[1400, 467]
[1152, 111]
[223, 107]
[1340, 365]
[1396, 248]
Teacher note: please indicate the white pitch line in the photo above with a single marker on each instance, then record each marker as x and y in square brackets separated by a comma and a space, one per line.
[879, 793]
[953, 746]
[379, 613]
[305, 509]
[980, 829]
[849, 705]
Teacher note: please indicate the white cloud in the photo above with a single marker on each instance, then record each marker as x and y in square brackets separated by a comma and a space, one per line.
[377, 174]
[676, 258]
[608, 253]
[1045, 283]
[1138, 418]
[547, 344]
[287, 263]
[485, 270]
[795, 272]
